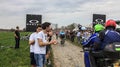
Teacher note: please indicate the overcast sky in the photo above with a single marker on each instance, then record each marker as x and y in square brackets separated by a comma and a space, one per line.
[63, 12]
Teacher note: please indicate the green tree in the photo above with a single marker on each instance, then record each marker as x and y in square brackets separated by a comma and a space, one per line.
[71, 26]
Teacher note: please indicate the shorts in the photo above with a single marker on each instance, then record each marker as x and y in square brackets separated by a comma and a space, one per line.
[32, 59]
[47, 48]
[62, 36]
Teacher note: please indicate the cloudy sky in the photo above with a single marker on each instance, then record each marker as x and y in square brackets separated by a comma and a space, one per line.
[63, 12]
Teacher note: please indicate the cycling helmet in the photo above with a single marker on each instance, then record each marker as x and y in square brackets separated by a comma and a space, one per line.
[98, 27]
[83, 28]
[110, 23]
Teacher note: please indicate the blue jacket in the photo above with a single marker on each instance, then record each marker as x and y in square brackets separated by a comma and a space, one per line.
[110, 36]
[62, 33]
[92, 39]
[90, 42]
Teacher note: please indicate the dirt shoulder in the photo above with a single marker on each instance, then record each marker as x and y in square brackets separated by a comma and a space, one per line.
[68, 55]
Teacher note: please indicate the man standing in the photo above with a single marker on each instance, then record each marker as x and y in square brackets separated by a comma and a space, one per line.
[48, 47]
[40, 45]
[56, 34]
[17, 37]
[72, 35]
[32, 42]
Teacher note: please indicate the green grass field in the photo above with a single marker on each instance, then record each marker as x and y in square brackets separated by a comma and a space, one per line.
[10, 57]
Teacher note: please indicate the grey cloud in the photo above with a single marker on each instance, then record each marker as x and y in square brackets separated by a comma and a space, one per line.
[59, 10]
[43, 6]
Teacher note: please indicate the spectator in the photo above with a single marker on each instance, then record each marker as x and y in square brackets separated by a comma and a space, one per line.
[17, 37]
[32, 44]
[72, 36]
[56, 34]
[78, 36]
[49, 35]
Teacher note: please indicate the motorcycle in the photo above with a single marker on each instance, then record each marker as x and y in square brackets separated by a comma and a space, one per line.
[108, 57]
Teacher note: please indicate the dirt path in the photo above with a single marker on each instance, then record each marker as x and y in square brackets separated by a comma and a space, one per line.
[67, 56]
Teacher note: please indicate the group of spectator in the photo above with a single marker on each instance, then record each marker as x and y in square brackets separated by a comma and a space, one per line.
[40, 42]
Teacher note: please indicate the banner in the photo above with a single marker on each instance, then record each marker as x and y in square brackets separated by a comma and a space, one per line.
[99, 19]
[32, 21]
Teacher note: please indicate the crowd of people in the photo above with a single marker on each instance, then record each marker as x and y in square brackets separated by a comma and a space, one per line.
[97, 38]
[81, 34]
[40, 40]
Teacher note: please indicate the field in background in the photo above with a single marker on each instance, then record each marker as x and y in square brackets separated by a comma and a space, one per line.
[10, 57]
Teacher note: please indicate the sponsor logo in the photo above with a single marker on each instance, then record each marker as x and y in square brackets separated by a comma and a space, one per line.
[34, 21]
[99, 20]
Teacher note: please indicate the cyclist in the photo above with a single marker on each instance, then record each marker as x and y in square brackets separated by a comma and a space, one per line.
[62, 37]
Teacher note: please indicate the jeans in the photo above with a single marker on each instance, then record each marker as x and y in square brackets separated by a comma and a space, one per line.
[40, 60]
